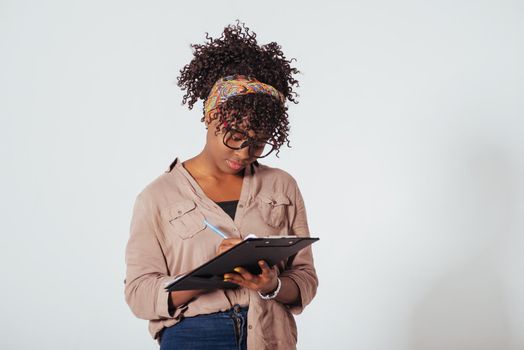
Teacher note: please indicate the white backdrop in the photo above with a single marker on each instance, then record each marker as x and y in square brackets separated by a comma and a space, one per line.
[407, 146]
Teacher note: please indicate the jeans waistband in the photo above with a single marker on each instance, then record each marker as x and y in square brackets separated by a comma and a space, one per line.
[238, 309]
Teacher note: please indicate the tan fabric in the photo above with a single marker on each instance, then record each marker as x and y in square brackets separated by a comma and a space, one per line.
[168, 238]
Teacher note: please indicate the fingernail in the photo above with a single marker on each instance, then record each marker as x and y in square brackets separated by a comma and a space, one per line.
[237, 269]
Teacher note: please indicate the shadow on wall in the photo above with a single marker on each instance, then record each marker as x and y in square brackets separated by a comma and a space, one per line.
[468, 308]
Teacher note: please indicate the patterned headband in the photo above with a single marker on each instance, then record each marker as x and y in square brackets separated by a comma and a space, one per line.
[233, 85]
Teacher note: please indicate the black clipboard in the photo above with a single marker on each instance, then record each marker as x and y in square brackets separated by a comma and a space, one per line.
[246, 254]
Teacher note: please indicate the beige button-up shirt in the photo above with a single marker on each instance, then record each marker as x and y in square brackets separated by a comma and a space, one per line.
[168, 237]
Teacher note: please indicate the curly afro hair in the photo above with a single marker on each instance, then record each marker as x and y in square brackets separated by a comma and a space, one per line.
[237, 53]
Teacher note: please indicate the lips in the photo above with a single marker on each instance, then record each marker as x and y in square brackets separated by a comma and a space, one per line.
[235, 165]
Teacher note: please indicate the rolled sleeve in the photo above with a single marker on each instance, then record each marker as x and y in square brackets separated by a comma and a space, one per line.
[146, 269]
[300, 267]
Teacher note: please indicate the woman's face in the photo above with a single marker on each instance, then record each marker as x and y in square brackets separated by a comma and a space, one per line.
[227, 160]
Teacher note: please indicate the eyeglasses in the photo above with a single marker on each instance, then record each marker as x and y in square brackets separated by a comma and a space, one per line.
[237, 139]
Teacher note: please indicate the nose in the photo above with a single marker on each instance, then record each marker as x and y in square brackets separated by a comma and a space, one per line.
[243, 153]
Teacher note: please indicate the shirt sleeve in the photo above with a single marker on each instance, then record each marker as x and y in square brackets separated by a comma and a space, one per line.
[300, 267]
[146, 269]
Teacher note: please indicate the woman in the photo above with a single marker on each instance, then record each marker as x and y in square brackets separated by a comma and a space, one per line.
[244, 87]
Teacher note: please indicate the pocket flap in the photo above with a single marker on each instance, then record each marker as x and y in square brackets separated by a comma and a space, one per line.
[185, 219]
[178, 209]
[274, 198]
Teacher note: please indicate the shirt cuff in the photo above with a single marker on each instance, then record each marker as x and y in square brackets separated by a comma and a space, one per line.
[162, 302]
[298, 307]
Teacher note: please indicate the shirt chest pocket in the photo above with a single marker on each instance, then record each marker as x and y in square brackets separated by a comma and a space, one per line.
[184, 219]
[273, 208]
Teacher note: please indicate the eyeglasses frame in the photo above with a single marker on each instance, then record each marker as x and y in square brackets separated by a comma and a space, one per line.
[250, 141]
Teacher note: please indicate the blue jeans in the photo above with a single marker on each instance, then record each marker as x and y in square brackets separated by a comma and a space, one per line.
[225, 330]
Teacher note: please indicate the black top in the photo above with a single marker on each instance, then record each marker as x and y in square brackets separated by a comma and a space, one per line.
[230, 207]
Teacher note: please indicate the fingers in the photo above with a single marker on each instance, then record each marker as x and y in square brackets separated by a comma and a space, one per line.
[233, 241]
[244, 278]
[229, 277]
[246, 275]
[227, 244]
[234, 278]
[266, 270]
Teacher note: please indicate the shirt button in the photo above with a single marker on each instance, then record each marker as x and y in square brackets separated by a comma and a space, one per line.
[235, 229]
[240, 206]
[180, 212]
[250, 327]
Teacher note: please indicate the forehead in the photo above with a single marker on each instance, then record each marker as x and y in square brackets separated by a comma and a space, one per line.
[254, 134]
[244, 128]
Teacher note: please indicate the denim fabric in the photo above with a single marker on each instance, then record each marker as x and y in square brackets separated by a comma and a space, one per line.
[217, 331]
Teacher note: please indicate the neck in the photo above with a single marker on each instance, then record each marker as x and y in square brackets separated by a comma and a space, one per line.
[204, 167]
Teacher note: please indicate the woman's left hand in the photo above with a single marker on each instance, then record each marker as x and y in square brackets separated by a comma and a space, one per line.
[264, 283]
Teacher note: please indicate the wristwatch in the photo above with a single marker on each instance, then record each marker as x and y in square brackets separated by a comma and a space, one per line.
[274, 293]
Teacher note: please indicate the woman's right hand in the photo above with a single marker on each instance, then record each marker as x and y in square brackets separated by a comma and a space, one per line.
[227, 244]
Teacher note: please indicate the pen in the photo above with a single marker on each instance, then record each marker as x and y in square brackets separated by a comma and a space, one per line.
[217, 231]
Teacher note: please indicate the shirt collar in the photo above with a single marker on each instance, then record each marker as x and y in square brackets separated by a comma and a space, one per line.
[177, 161]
